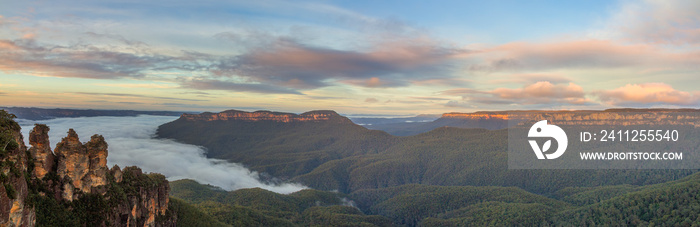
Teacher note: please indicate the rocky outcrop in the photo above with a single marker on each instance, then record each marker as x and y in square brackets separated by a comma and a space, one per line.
[78, 166]
[149, 202]
[230, 115]
[146, 205]
[41, 150]
[75, 172]
[82, 169]
[97, 164]
[117, 173]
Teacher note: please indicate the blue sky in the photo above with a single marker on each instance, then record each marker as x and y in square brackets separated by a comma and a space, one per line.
[372, 57]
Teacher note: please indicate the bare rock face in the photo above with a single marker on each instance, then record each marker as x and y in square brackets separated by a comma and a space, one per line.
[97, 167]
[41, 150]
[83, 166]
[73, 164]
[147, 202]
[117, 173]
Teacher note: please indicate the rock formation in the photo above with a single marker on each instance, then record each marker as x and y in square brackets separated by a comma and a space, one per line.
[73, 172]
[41, 150]
[148, 203]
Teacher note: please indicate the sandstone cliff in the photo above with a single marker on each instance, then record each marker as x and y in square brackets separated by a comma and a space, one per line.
[83, 166]
[72, 185]
[41, 151]
[618, 117]
[311, 116]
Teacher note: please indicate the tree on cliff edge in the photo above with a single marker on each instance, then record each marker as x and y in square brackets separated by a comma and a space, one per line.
[7, 126]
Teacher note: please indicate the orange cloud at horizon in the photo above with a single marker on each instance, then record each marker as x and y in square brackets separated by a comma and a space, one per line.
[648, 93]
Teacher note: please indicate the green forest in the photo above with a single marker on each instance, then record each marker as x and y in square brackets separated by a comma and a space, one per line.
[445, 177]
[675, 203]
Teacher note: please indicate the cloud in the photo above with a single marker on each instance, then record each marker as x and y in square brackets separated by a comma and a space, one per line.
[134, 96]
[461, 91]
[662, 22]
[543, 92]
[648, 93]
[4, 21]
[581, 54]
[281, 66]
[146, 85]
[429, 98]
[572, 54]
[375, 82]
[213, 84]
[291, 64]
[131, 143]
[371, 100]
[528, 78]
[81, 61]
[441, 82]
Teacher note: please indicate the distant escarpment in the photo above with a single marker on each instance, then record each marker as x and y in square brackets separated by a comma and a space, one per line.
[609, 117]
[494, 120]
[72, 186]
[236, 115]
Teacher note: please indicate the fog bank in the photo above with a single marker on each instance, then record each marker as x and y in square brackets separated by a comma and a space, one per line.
[132, 143]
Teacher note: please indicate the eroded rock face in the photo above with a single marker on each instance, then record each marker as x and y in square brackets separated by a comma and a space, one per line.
[312, 116]
[146, 204]
[73, 164]
[117, 173]
[83, 166]
[41, 150]
[97, 168]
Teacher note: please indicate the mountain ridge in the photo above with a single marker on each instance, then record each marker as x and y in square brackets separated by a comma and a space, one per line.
[494, 120]
[34, 113]
[264, 115]
[347, 157]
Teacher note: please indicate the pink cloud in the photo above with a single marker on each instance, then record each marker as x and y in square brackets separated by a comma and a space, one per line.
[648, 93]
[581, 54]
[389, 65]
[542, 92]
[374, 82]
[524, 78]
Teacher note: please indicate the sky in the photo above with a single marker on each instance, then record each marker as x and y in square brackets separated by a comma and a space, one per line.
[354, 57]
